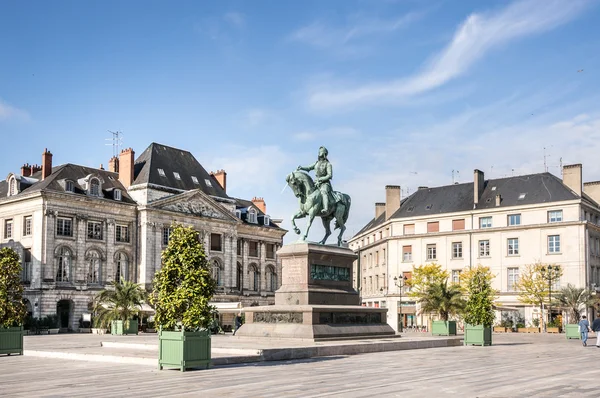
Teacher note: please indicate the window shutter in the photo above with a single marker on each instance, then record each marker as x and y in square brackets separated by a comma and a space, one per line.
[433, 226]
[458, 225]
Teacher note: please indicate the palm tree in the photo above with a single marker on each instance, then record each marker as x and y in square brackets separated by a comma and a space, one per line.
[120, 303]
[575, 299]
[442, 298]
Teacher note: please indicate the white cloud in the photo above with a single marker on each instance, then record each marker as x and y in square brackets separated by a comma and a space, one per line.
[304, 136]
[255, 117]
[326, 134]
[235, 18]
[477, 35]
[8, 112]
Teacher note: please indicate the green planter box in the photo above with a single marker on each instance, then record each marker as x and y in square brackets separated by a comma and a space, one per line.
[478, 335]
[120, 327]
[572, 331]
[11, 340]
[442, 328]
[183, 350]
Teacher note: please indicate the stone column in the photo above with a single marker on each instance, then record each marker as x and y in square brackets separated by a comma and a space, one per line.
[245, 250]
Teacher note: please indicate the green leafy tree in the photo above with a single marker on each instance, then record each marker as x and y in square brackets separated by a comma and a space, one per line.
[424, 276]
[443, 298]
[477, 283]
[575, 299]
[184, 285]
[534, 283]
[12, 309]
[122, 302]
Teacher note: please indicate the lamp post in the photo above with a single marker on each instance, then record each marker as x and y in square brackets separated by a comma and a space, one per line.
[400, 284]
[547, 272]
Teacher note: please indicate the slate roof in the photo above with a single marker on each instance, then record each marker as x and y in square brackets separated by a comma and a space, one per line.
[243, 205]
[72, 172]
[173, 160]
[538, 188]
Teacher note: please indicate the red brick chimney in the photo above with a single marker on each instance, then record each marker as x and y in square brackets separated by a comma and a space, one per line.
[26, 170]
[46, 164]
[260, 203]
[126, 162]
[113, 164]
[35, 169]
[221, 177]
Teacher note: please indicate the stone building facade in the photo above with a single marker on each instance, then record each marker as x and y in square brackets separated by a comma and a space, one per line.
[78, 228]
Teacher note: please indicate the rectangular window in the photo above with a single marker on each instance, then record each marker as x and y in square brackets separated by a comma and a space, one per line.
[458, 225]
[406, 253]
[270, 250]
[457, 250]
[176, 175]
[195, 180]
[8, 229]
[215, 242]
[433, 226]
[484, 248]
[27, 221]
[64, 227]
[456, 275]
[253, 249]
[239, 247]
[554, 244]
[161, 172]
[514, 219]
[555, 216]
[513, 278]
[94, 230]
[485, 222]
[409, 229]
[26, 271]
[122, 233]
[166, 235]
[431, 252]
[513, 246]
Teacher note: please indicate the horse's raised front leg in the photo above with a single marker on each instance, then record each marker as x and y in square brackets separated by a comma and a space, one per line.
[300, 214]
[326, 222]
[311, 217]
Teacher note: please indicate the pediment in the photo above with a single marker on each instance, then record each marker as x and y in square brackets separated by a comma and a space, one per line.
[196, 203]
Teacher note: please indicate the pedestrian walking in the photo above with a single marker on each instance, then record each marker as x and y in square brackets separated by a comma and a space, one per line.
[584, 328]
[596, 329]
[238, 323]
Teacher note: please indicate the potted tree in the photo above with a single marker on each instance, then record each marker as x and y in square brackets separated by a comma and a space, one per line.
[181, 293]
[574, 300]
[479, 312]
[116, 307]
[445, 300]
[12, 309]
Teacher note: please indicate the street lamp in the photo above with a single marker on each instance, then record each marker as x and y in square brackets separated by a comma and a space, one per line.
[547, 273]
[400, 284]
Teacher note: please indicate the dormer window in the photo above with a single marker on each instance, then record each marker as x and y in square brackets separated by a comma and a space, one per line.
[252, 216]
[69, 186]
[12, 187]
[117, 194]
[94, 187]
[161, 173]
[208, 183]
[176, 175]
[267, 220]
[195, 180]
[238, 213]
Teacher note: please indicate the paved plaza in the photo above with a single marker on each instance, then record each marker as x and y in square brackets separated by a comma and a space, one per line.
[517, 366]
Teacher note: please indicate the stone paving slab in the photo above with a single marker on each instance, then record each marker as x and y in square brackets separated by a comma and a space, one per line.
[515, 366]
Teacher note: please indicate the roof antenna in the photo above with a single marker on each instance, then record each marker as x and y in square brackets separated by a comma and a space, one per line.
[116, 142]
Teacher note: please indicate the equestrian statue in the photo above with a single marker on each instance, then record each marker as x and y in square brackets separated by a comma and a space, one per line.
[317, 199]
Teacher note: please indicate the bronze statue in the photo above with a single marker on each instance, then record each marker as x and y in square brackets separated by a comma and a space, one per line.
[317, 198]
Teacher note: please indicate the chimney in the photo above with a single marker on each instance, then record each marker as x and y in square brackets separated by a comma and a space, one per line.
[113, 164]
[26, 170]
[498, 200]
[572, 177]
[478, 185]
[392, 200]
[101, 166]
[126, 162]
[221, 177]
[46, 164]
[35, 169]
[260, 203]
[592, 189]
[379, 209]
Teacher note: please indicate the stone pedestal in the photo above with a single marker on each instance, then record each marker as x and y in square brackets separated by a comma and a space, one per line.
[316, 299]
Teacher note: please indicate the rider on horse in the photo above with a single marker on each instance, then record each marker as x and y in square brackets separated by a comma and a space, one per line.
[324, 174]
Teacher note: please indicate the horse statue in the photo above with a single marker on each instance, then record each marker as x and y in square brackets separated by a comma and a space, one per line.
[311, 204]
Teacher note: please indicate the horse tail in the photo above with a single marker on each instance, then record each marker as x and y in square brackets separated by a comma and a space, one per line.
[347, 201]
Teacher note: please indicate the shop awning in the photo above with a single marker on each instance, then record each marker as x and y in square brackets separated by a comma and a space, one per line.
[228, 307]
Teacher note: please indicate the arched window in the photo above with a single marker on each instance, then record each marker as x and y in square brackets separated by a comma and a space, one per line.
[12, 187]
[94, 267]
[252, 216]
[254, 278]
[239, 280]
[63, 269]
[94, 187]
[122, 267]
[271, 279]
[217, 273]
[69, 186]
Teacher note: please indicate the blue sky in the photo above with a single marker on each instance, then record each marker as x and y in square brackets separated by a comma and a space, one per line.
[401, 92]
